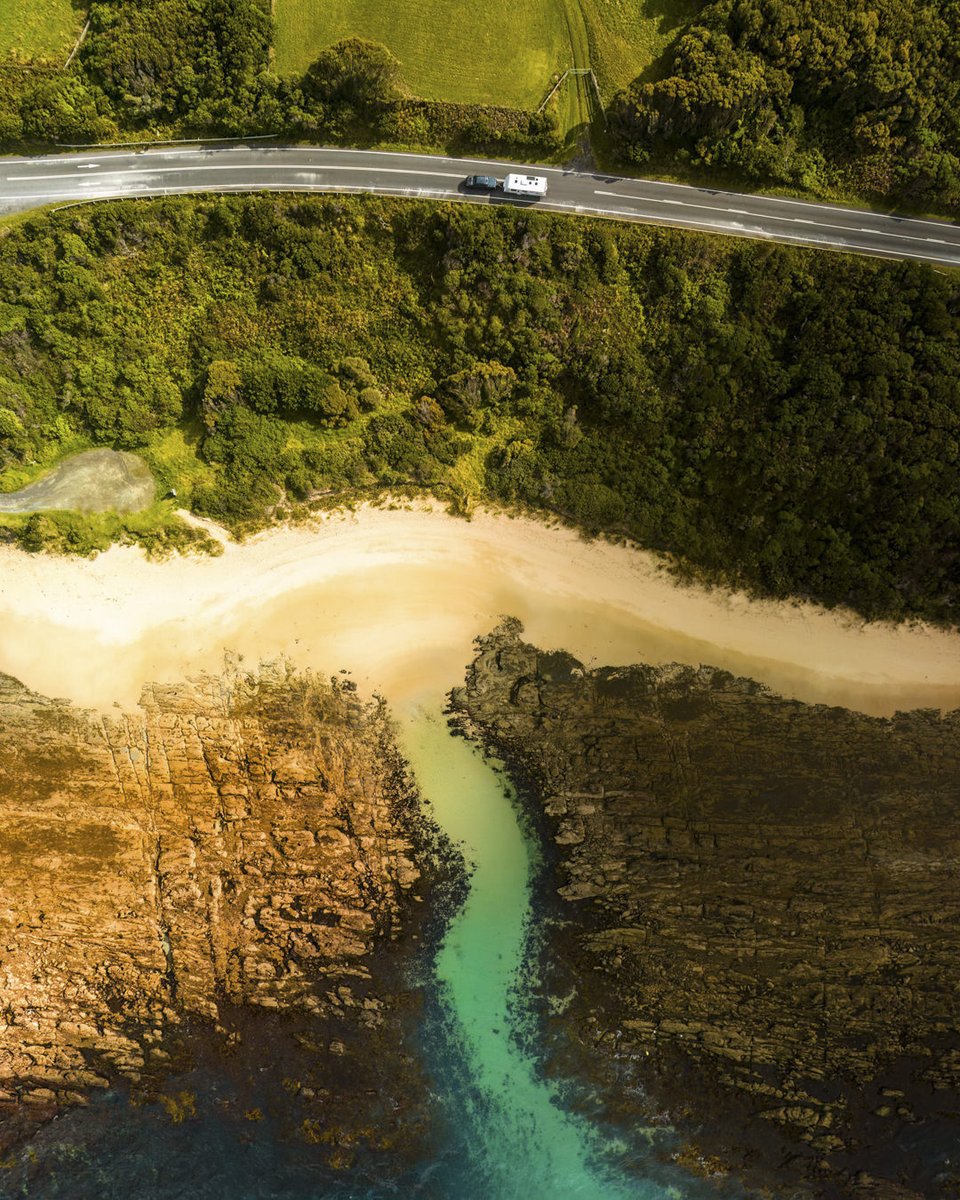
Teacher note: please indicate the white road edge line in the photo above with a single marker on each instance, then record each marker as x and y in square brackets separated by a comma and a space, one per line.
[875, 231]
[231, 167]
[696, 223]
[244, 148]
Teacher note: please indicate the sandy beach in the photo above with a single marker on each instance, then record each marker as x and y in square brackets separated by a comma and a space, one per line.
[396, 596]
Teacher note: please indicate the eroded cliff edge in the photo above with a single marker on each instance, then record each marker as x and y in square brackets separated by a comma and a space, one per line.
[756, 912]
[236, 870]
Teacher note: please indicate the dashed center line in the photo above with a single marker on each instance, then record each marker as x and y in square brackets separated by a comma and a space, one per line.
[875, 231]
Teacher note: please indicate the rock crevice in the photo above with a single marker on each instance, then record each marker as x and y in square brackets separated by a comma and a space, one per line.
[758, 904]
[245, 843]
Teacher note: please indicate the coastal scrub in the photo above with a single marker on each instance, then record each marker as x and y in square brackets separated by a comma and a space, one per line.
[774, 418]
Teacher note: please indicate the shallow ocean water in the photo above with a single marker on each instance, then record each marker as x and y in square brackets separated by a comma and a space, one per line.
[396, 598]
[501, 1131]
[516, 1141]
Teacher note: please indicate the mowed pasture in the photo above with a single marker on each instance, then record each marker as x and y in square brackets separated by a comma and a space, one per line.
[38, 30]
[467, 51]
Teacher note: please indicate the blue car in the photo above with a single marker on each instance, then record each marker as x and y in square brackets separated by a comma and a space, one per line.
[483, 183]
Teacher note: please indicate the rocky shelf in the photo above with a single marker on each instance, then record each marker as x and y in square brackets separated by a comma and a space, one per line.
[238, 868]
[755, 907]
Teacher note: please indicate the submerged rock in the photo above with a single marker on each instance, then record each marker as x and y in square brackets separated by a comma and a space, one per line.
[234, 873]
[757, 908]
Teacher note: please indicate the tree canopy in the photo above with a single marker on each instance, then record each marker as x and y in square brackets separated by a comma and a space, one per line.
[810, 92]
[175, 67]
[778, 418]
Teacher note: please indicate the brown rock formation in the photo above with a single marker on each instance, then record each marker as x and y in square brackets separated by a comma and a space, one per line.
[760, 906]
[244, 850]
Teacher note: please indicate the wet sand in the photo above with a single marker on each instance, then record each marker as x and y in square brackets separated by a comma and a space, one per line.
[396, 596]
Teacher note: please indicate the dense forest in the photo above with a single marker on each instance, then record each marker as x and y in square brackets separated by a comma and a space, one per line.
[183, 67]
[813, 93]
[825, 95]
[779, 418]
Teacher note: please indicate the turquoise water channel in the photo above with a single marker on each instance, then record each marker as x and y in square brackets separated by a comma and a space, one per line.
[499, 1130]
[515, 1140]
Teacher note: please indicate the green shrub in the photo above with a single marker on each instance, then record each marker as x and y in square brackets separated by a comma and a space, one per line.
[781, 419]
[810, 93]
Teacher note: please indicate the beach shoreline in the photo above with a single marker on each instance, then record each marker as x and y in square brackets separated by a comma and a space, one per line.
[395, 594]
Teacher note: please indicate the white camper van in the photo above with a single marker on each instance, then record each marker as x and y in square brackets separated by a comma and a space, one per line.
[531, 186]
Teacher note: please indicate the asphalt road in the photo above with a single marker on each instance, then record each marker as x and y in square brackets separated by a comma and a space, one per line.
[27, 183]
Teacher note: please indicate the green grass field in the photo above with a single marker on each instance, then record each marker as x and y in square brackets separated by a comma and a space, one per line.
[38, 30]
[494, 52]
[628, 36]
[498, 52]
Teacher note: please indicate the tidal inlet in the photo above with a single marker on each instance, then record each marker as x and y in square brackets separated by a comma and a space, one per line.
[479, 680]
[396, 854]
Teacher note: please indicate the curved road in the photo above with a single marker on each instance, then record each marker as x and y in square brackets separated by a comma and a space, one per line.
[54, 179]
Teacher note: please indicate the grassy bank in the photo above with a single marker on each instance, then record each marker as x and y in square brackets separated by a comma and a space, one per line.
[38, 30]
[157, 529]
[776, 418]
[499, 53]
[629, 37]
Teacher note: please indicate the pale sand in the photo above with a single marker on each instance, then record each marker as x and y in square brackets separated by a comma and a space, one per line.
[397, 596]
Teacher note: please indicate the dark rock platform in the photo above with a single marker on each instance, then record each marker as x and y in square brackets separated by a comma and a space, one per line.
[756, 905]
